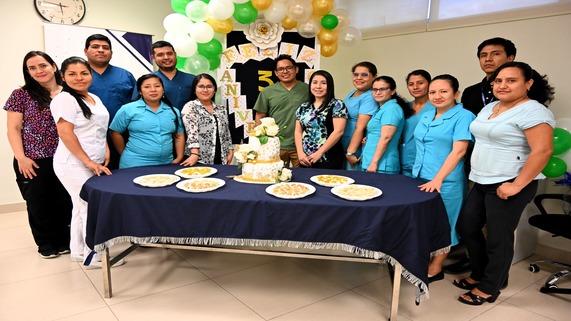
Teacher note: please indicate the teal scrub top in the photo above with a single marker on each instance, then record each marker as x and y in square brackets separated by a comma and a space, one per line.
[408, 145]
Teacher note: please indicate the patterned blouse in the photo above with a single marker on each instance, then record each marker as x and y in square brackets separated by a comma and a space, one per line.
[313, 123]
[201, 130]
[39, 132]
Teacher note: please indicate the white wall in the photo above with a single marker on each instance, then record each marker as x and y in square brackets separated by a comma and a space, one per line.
[542, 42]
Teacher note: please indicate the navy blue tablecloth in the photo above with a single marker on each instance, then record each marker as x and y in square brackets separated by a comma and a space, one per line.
[403, 224]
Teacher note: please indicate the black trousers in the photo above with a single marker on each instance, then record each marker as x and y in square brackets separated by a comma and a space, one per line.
[48, 204]
[491, 255]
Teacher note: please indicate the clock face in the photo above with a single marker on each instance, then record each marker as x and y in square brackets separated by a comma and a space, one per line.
[61, 11]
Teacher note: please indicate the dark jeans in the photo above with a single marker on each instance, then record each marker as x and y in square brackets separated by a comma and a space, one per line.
[491, 255]
[48, 204]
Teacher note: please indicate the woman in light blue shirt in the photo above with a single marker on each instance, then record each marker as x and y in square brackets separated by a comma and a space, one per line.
[361, 107]
[153, 125]
[417, 83]
[442, 137]
[380, 153]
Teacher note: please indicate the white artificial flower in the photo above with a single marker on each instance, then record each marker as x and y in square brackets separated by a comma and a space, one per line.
[259, 131]
[285, 175]
[267, 121]
[272, 130]
[245, 148]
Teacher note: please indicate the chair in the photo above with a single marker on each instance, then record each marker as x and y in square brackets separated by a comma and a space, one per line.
[558, 225]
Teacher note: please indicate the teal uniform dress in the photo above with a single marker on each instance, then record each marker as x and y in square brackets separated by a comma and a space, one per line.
[408, 146]
[390, 113]
[434, 139]
[150, 133]
[364, 104]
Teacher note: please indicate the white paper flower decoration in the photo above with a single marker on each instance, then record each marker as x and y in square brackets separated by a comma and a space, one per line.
[264, 34]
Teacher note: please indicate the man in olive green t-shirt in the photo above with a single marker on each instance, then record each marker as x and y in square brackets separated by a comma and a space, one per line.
[280, 101]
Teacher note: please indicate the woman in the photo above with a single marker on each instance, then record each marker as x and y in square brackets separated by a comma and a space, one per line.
[417, 83]
[33, 137]
[380, 153]
[361, 107]
[81, 120]
[442, 137]
[154, 127]
[514, 141]
[206, 123]
[319, 125]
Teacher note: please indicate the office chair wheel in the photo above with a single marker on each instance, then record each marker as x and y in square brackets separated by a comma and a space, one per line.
[548, 288]
[534, 268]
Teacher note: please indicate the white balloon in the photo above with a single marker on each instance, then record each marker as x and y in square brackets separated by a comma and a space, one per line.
[564, 123]
[343, 17]
[201, 32]
[197, 11]
[350, 36]
[276, 12]
[299, 10]
[309, 28]
[184, 46]
[177, 23]
[221, 9]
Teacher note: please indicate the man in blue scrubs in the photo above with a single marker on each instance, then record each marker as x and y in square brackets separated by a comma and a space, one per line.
[177, 84]
[114, 85]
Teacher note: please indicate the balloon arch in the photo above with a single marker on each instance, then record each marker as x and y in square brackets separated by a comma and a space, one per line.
[196, 27]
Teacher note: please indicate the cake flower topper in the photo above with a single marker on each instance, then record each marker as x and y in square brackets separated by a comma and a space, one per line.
[244, 154]
[267, 128]
[284, 175]
[264, 34]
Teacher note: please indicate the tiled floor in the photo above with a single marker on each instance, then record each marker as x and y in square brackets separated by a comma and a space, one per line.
[158, 284]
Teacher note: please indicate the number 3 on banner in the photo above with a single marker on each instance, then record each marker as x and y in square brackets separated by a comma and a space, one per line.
[264, 76]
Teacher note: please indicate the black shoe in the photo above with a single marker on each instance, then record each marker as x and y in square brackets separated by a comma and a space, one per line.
[460, 267]
[49, 254]
[436, 277]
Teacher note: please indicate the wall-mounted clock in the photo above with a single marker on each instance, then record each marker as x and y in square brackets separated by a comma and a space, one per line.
[61, 11]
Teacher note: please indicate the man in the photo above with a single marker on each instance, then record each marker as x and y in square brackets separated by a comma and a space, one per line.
[115, 86]
[492, 53]
[177, 84]
[280, 101]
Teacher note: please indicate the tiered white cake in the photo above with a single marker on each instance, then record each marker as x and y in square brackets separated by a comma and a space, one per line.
[267, 165]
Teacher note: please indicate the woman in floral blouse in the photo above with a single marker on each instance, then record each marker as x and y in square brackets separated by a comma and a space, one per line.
[206, 123]
[320, 123]
[33, 137]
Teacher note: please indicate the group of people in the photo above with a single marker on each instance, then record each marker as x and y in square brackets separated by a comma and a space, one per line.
[91, 117]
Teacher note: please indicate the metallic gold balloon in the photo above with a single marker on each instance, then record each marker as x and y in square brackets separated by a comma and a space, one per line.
[288, 23]
[322, 7]
[261, 4]
[327, 37]
[329, 50]
[221, 26]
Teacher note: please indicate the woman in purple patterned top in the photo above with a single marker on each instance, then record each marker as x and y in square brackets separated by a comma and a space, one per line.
[33, 137]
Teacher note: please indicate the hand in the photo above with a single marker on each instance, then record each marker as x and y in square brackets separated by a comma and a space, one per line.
[507, 189]
[26, 167]
[353, 160]
[433, 185]
[190, 161]
[229, 157]
[315, 157]
[303, 159]
[97, 169]
[107, 157]
[372, 167]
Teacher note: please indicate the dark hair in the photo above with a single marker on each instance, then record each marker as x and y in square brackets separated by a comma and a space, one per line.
[283, 57]
[195, 83]
[400, 100]
[78, 97]
[164, 98]
[540, 90]
[419, 72]
[509, 46]
[96, 36]
[330, 95]
[369, 65]
[37, 91]
[161, 44]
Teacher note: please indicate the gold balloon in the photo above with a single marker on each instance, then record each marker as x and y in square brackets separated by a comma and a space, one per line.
[261, 4]
[321, 7]
[327, 37]
[288, 23]
[221, 26]
[329, 50]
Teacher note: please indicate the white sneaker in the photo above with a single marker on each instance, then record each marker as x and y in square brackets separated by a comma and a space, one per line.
[97, 264]
[76, 258]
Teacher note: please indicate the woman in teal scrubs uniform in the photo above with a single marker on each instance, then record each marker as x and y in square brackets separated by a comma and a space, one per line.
[361, 107]
[442, 137]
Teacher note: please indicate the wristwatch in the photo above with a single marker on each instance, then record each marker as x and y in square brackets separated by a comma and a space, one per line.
[350, 154]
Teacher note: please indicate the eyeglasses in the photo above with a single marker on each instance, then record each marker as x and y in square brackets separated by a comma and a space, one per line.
[362, 74]
[379, 90]
[40, 67]
[207, 87]
[288, 68]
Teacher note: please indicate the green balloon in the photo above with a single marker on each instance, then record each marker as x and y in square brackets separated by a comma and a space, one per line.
[180, 62]
[561, 141]
[555, 167]
[214, 62]
[245, 13]
[329, 21]
[210, 49]
[179, 6]
[206, 1]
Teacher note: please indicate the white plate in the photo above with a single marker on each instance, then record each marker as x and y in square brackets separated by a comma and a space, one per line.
[329, 180]
[210, 184]
[196, 172]
[241, 180]
[354, 194]
[156, 180]
[275, 190]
